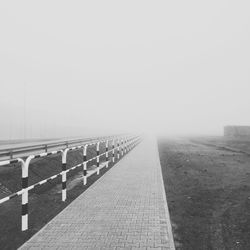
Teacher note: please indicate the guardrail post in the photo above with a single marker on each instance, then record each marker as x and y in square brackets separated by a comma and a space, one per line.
[98, 157]
[46, 148]
[122, 146]
[128, 146]
[25, 192]
[107, 153]
[85, 164]
[118, 149]
[113, 151]
[125, 145]
[64, 174]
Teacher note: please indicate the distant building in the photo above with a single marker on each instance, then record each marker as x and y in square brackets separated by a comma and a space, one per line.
[237, 131]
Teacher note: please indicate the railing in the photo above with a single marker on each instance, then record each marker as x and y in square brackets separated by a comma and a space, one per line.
[11, 152]
[120, 145]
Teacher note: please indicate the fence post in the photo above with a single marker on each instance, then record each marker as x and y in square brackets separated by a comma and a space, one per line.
[64, 174]
[122, 146]
[118, 149]
[85, 164]
[129, 144]
[125, 146]
[25, 192]
[107, 154]
[98, 157]
[113, 151]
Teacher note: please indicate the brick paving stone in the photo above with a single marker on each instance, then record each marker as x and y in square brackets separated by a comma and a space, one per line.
[124, 209]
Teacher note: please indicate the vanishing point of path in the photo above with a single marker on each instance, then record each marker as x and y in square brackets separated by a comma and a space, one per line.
[125, 209]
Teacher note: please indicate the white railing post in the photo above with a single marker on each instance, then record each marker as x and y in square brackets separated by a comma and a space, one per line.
[107, 153]
[113, 151]
[64, 174]
[118, 149]
[98, 157]
[85, 164]
[25, 192]
[125, 146]
[122, 146]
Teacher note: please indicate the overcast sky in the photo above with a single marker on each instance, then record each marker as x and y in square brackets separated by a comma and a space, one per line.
[82, 67]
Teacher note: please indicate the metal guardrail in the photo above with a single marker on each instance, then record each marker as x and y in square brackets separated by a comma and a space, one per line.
[120, 144]
[11, 152]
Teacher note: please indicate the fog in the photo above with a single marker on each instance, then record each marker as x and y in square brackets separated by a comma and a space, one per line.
[73, 68]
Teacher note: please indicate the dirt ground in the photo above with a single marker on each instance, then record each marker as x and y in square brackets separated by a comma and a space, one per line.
[208, 192]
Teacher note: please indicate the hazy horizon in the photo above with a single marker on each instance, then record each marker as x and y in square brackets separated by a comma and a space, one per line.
[98, 67]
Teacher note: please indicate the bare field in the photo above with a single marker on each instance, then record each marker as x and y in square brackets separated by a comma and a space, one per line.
[208, 192]
[237, 145]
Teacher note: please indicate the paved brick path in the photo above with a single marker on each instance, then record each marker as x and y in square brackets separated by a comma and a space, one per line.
[125, 209]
